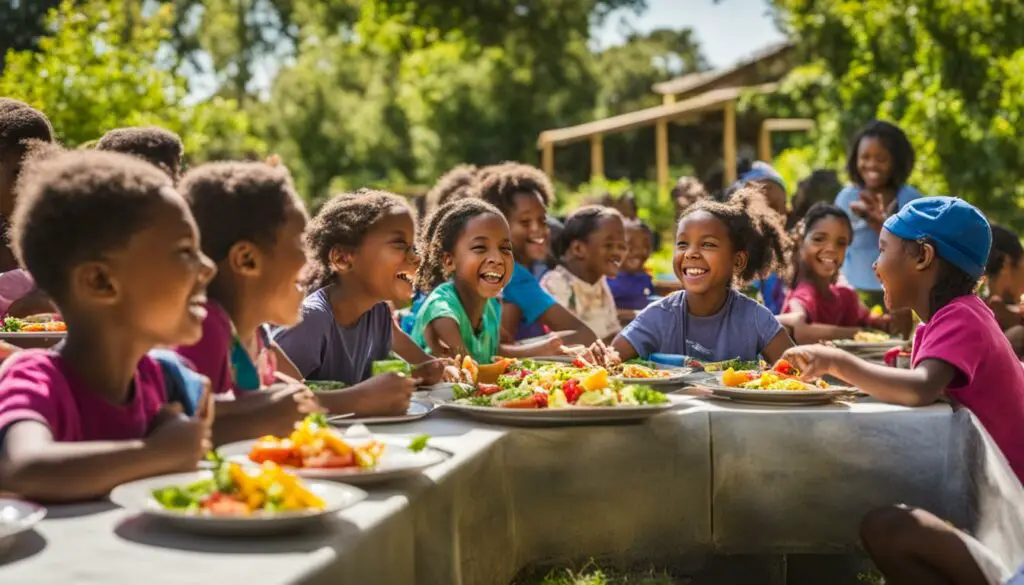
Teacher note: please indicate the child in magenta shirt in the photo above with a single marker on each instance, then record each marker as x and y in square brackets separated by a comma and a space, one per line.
[110, 240]
[252, 224]
[933, 251]
[818, 307]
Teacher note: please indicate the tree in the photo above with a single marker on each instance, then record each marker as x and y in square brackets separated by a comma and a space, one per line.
[949, 72]
[101, 69]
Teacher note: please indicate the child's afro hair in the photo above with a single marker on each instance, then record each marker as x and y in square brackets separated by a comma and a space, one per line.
[156, 146]
[343, 221]
[1006, 248]
[78, 206]
[20, 123]
[458, 183]
[895, 141]
[499, 184]
[443, 229]
[753, 228]
[239, 201]
[579, 225]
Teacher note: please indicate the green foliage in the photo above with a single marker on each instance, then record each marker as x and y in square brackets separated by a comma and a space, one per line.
[949, 72]
[100, 69]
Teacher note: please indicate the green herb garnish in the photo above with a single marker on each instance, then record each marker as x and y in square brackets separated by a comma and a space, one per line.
[419, 443]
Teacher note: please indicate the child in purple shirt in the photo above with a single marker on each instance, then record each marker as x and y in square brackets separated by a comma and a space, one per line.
[716, 244]
[933, 251]
[110, 240]
[633, 286]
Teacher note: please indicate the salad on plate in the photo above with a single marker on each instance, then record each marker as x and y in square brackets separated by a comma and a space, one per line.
[314, 444]
[781, 377]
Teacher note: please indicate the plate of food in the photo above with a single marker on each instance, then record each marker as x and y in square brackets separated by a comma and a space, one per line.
[779, 385]
[534, 392]
[869, 341]
[233, 499]
[418, 408]
[45, 325]
[16, 517]
[316, 450]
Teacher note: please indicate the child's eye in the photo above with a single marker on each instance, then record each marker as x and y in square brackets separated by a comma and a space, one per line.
[479, 249]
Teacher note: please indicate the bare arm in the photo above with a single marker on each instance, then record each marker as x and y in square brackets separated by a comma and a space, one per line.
[624, 348]
[36, 466]
[920, 386]
[443, 338]
[558, 318]
[511, 315]
[777, 346]
[814, 332]
[405, 347]
[285, 365]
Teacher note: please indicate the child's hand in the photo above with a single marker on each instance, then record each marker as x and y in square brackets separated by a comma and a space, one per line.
[551, 346]
[430, 372]
[870, 206]
[284, 405]
[387, 394]
[181, 441]
[813, 361]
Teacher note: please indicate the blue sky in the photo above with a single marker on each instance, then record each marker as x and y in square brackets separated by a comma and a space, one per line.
[728, 30]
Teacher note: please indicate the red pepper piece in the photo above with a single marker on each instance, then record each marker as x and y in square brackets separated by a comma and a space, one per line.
[572, 390]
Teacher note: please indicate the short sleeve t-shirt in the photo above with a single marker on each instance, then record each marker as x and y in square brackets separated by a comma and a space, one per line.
[220, 356]
[323, 350]
[38, 385]
[741, 329]
[863, 250]
[632, 290]
[842, 307]
[990, 378]
[444, 302]
[525, 292]
[594, 304]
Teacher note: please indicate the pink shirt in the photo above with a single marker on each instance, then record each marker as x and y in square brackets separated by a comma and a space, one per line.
[843, 308]
[989, 380]
[36, 384]
[220, 357]
[14, 284]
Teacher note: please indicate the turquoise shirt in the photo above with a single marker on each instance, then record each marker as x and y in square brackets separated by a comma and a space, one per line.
[444, 302]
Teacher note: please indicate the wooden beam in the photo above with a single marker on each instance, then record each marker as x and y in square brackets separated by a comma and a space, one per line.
[661, 158]
[764, 139]
[547, 160]
[596, 156]
[729, 144]
[668, 99]
[764, 144]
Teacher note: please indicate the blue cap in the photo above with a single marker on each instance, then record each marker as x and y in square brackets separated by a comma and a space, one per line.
[959, 231]
[762, 171]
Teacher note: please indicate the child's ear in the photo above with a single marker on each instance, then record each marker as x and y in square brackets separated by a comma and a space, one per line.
[244, 258]
[578, 249]
[340, 259]
[448, 263]
[925, 257]
[94, 283]
[739, 261]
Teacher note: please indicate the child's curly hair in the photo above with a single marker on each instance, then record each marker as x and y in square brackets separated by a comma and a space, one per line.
[458, 183]
[78, 206]
[443, 229]
[156, 146]
[895, 141]
[344, 220]
[19, 124]
[238, 201]
[499, 184]
[753, 228]
[1006, 248]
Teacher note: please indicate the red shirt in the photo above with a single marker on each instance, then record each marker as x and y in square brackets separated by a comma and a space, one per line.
[841, 307]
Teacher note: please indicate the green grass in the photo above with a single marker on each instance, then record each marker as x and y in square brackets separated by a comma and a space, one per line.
[590, 574]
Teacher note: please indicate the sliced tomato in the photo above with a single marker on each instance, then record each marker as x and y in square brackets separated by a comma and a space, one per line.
[487, 389]
[221, 504]
[528, 402]
[280, 452]
[329, 460]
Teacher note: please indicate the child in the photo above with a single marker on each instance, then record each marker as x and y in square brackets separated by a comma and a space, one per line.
[109, 239]
[879, 164]
[933, 251]
[591, 249]
[912, 546]
[458, 183]
[820, 186]
[251, 222]
[467, 262]
[686, 192]
[363, 256]
[1004, 274]
[816, 307]
[716, 244]
[522, 193]
[770, 288]
[24, 132]
[632, 287]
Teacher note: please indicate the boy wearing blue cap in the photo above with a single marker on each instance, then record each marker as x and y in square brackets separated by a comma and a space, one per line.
[933, 251]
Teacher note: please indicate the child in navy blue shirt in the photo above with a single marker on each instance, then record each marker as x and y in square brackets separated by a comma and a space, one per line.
[633, 286]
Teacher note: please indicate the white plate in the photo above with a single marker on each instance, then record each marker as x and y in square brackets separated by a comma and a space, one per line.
[396, 462]
[787, 397]
[137, 496]
[33, 334]
[558, 359]
[418, 408]
[17, 516]
[868, 346]
[679, 376]
[561, 416]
